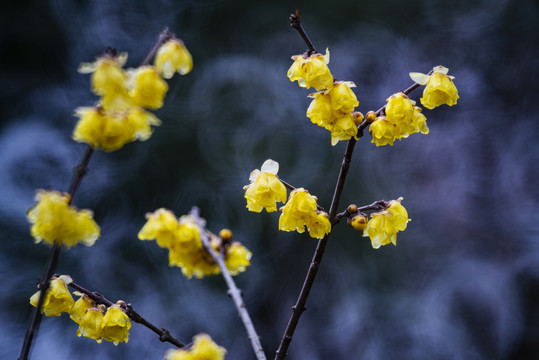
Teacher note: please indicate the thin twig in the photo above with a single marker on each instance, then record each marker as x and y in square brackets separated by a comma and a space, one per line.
[44, 283]
[295, 22]
[376, 206]
[299, 307]
[80, 171]
[233, 290]
[164, 335]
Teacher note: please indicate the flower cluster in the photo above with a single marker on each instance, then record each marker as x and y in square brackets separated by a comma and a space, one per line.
[54, 220]
[182, 238]
[301, 211]
[203, 349]
[120, 116]
[112, 326]
[333, 105]
[401, 119]
[383, 226]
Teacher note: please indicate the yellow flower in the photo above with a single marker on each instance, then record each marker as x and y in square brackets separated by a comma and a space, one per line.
[311, 71]
[173, 57]
[265, 188]
[91, 325]
[439, 88]
[161, 226]
[108, 78]
[78, 310]
[110, 130]
[203, 349]
[58, 298]
[146, 87]
[53, 220]
[383, 226]
[342, 96]
[382, 132]
[402, 119]
[116, 325]
[237, 258]
[344, 128]
[301, 211]
[318, 225]
[332, 109]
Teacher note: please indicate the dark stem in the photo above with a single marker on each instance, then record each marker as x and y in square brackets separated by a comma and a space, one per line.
[233, 290]
[165, 36]
[80, 171]
[44, 282]
[295, 22]
[164, 335]
[376, 206]
[299, 308]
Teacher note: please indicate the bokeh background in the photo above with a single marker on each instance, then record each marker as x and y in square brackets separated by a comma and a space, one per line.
[463, 281]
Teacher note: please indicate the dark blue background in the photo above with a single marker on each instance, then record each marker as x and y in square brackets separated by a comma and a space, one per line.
[463, 282]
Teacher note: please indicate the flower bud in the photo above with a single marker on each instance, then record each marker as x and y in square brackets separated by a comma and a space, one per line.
[371, 116]
[358, 222]
[225, 234]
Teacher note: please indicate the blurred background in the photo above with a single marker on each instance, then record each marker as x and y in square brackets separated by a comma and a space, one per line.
[463, 281]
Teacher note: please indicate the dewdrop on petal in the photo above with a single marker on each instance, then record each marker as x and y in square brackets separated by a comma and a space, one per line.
[439, 88]
[58, 299]
[173, 57]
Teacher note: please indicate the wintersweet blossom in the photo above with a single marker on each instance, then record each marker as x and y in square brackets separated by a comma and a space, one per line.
[78, 310]
[58, 298]
[401, 119]
[182, 238]
[300, 211]
[116, 324]
[332, 110]
[173, 57]
[237, 258]
[111, 129]
[54, 220]
[203, 349]
[383, 226]
[439, 88]
[91, 324]
[311, 71]
[146, 87]
[265, 189]
[108, 79]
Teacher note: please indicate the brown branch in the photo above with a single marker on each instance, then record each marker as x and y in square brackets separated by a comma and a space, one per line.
[233, 290]
[295, 22]
[376, 206]
[80, 171]
[164, 335]
[299, 307]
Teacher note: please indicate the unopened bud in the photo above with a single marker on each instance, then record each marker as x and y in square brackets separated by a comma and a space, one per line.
[371, 116]
[358, 222]
[358, 117]
[352, 209]
[225, 234]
